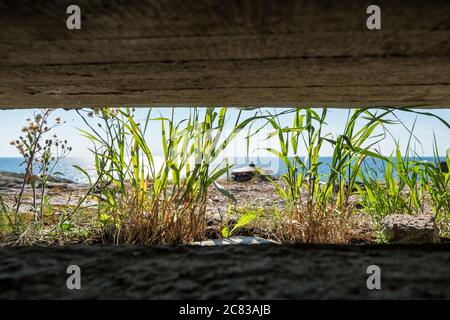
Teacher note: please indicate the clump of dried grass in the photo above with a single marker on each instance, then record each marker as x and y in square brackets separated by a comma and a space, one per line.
[164, 224]
[314, 225]
[149, 203]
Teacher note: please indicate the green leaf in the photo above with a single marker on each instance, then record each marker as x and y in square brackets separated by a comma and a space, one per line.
[225, 232]
[66, 226]
[84, 172]
[224, 191]
[244, 220]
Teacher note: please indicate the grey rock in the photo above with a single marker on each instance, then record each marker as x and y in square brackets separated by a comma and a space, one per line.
[403, 228]
[12, 180]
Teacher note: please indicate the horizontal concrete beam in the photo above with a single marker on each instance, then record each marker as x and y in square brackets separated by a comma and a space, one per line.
[222, 52]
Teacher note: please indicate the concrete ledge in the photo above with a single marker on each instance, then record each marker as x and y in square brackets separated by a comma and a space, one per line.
[228, 272]
[315, 53]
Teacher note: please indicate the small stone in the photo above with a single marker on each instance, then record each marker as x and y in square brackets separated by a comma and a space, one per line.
[234, 241]
[403, 228]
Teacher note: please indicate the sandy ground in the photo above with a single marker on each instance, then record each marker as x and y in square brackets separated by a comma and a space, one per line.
[255, 193]
[232, 272]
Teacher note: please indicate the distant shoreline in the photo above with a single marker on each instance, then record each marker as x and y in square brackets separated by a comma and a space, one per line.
[65, 167]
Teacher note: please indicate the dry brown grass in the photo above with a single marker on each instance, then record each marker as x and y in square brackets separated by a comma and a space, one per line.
[164, 222]
[314, 225]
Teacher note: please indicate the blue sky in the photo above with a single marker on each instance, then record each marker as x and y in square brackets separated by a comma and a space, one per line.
[11, 122]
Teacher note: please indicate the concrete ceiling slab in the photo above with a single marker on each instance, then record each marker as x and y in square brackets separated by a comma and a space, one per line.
[315, 53]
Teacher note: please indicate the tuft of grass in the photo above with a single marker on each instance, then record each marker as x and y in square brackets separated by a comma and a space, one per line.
[166, 203]
[313, 225]
[301, 187]
[437, 184]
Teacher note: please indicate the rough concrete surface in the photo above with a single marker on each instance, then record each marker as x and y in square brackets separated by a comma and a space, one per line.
[226, 272]
[315, 53]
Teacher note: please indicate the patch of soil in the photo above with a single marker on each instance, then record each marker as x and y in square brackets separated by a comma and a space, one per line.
[231, 272]
[255, 193]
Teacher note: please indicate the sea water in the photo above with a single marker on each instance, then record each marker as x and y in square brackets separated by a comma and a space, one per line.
[65, 168]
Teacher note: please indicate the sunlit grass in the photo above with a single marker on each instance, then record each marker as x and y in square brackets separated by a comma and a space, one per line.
[141, 200]
[159, 204]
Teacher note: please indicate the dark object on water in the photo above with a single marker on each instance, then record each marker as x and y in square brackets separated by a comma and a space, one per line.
[244, 174]
[444, 166]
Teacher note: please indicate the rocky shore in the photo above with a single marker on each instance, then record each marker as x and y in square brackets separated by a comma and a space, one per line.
[10, 182]
[61, 191]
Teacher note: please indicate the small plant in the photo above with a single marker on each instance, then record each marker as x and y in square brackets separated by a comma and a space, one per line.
[437, 184]
[407, 182]
[300, 172]
[396, 192]
[401, 188]
[41, 156]
[244, 220]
